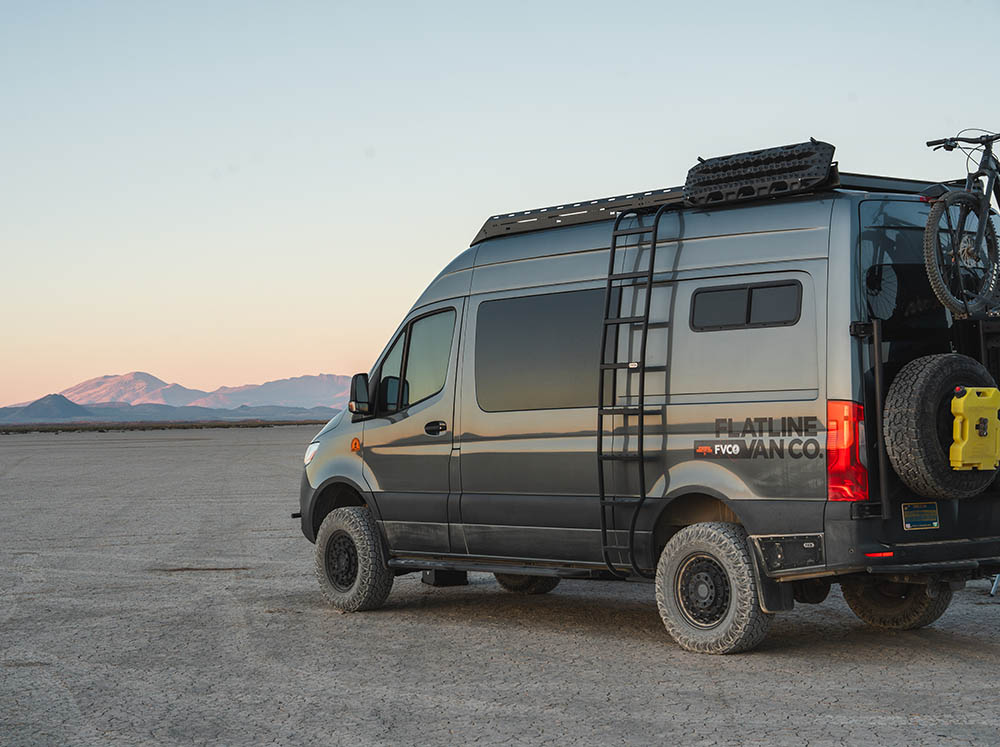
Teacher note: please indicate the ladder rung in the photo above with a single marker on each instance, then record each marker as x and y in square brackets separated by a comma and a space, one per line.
[630, 411]
[623, 320]
[632, 231]
[623, 548]
[625, 456]
[634, 366]
[634, 369]
[628, 275]
[619, 501]
[658, 324]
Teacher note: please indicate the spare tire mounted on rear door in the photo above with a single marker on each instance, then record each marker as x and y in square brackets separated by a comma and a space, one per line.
[918, 425]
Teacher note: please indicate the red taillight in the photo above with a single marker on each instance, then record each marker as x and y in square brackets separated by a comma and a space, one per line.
[879, 554]
[846, 476]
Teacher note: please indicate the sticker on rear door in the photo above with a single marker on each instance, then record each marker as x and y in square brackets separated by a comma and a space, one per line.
[921, 516]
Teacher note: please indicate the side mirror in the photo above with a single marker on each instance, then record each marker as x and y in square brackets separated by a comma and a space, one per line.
[359, 395]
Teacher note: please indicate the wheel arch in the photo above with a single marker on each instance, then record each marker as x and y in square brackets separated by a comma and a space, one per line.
[335, 493]
[693, 506]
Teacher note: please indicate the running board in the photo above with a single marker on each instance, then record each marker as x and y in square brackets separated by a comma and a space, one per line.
[598, 572]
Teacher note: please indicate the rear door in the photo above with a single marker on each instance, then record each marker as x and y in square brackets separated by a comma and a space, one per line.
[408, 444]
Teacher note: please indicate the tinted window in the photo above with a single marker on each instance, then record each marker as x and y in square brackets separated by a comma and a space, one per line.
[774, 304]
[388, 385]
[763, 305]
[427, 358]
[720, 308]
[539, 352]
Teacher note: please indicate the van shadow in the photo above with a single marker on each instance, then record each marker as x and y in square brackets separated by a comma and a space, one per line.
[631, 615]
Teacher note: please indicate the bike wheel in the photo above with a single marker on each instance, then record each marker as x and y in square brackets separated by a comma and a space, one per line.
[881, 290]
[964, 277]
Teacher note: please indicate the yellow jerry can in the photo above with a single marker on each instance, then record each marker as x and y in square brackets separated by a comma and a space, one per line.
[976, 431]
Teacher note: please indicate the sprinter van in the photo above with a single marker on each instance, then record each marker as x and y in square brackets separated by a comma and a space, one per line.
[743, 390]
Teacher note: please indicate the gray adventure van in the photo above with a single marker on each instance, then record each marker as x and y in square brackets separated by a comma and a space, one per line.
[743, 390]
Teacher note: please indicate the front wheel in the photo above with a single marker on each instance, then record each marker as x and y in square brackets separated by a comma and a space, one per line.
[350, 563]
[892, 606]
[706, 590]
[962, 275]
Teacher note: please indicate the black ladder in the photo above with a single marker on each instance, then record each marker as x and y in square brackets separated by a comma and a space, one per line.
[645, 236]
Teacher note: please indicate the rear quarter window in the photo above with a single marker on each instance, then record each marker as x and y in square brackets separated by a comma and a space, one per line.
[746, 306]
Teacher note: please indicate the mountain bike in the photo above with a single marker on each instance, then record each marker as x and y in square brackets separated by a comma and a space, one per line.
[960, 241]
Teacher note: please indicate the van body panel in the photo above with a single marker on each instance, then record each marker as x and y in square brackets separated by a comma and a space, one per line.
[549, 243]
[445, 286]
[542, 272]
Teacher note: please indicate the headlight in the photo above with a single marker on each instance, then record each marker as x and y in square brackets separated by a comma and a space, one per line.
[311, 452]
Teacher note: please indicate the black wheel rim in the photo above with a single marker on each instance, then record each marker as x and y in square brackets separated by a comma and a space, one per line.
[341, 561]
[703, 590]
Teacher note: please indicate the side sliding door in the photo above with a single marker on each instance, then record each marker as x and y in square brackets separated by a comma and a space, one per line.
[529, 397]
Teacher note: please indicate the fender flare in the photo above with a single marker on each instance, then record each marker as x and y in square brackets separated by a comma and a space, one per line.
[367, 497]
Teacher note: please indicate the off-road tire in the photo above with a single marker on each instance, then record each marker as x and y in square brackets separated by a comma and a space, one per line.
[917, 425]
[371, 581]
[935, 272]
[527, 584]
[891, 606]
[742, 624]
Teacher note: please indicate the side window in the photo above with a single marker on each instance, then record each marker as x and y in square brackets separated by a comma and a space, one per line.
[539, 352]
[388, 385]
[746, 306]
[427, 358]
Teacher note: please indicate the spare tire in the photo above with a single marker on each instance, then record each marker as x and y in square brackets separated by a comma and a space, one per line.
[917, 425]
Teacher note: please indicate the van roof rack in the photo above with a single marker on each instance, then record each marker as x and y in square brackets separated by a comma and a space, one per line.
[784, 171]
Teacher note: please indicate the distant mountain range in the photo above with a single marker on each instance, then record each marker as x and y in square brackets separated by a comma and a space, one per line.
[141, 397]
[55, 408]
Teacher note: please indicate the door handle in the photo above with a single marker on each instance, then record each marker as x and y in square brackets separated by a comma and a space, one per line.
[435, 427]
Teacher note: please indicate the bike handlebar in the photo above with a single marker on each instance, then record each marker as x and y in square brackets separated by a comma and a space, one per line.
[952, 141]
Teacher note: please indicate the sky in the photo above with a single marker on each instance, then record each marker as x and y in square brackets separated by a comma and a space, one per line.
[222, 193]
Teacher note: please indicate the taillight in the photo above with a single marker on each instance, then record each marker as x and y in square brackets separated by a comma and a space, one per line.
[846, 474]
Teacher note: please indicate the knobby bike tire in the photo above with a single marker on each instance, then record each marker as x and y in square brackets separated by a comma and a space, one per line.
[938, 255]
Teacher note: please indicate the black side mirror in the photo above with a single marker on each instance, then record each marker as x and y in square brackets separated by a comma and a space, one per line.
[359, 395]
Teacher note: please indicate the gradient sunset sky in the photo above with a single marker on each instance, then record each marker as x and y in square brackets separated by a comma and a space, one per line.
[222, 193]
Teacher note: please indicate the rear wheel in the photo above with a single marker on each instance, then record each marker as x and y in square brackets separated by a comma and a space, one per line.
[893, 606]
[527, 584]
[706, 590]
[350, 562]
[962, 275]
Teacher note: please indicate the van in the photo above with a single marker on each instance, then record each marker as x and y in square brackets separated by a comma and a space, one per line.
[743, 391]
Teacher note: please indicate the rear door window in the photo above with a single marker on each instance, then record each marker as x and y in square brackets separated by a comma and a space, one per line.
[893, 279]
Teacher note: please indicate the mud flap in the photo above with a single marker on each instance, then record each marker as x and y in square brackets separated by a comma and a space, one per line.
[774, 596]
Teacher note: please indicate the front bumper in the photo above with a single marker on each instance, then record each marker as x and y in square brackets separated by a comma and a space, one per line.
[306, 494]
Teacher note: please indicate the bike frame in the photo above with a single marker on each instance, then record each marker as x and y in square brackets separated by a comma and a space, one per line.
[988, 168]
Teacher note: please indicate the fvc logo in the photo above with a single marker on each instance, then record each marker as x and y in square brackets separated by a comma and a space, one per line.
[721, 449]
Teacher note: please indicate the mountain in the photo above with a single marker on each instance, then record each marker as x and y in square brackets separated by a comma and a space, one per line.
[52, 407]
[301, 391]
[140, 388]
[129, 388]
